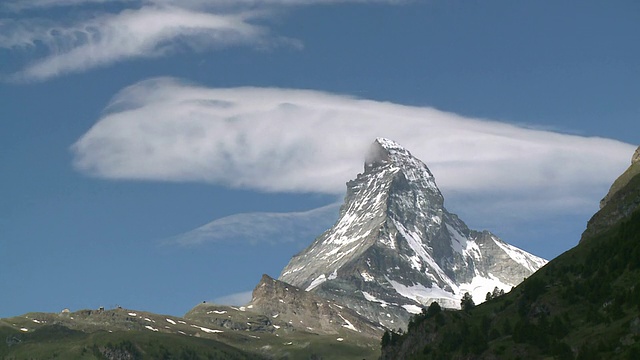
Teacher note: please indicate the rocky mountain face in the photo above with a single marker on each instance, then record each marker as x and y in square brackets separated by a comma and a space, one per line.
[395, 248]
[308, 311]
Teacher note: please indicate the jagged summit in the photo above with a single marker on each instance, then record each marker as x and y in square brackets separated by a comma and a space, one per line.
[395, 248]
[384, 152]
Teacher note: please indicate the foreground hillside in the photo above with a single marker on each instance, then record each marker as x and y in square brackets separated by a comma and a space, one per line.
[585, 304]
[208, 331]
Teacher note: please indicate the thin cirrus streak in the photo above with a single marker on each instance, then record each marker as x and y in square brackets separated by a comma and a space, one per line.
[146, 32]
[135, 29]
[287, 227]
[17, 5]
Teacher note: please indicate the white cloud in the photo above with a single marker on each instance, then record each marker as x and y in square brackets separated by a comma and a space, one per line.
[17, 5]
[307, 141]
[284, 140]
[236, 299]
[300, 227]
[108, 38]
[138, 29]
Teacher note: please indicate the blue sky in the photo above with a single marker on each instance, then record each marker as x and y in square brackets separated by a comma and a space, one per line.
[145, 143]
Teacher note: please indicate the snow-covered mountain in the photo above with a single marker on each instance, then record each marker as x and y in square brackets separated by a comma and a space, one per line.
[395, 248]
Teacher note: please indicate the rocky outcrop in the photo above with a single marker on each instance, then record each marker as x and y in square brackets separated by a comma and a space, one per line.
[623, 179]
[307, 311]
[622, 199]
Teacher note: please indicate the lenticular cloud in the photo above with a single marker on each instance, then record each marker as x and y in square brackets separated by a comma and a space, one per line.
[287, 140]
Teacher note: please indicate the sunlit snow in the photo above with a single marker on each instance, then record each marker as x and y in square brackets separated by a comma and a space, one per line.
[372, 298]
[366, 276]
[219, 312]
[527, 260]
[207, 330]
[413, 309]
[348, 324]
[425, 296]
[319, 280]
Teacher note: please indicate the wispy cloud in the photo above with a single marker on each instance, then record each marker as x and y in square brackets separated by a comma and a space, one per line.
[236, 299]
[106, 39]
[134, 29]
[17, 5]
[285, 140]
[293, 227]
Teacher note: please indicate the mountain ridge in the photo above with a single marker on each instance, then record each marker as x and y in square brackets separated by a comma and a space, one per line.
[395, 248]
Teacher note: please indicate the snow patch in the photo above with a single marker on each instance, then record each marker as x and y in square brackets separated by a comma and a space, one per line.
[347, 324]
[171, 321]
[425, 296]
[220, 312]
[293, 270]
[319, 280]
[151, 328]
[207, 330]
[366, 276]
[333, 275]
[372, 298]
[480, 286]
[388, 241]
[413, 309]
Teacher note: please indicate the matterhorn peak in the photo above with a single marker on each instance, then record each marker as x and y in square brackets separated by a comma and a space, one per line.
[395, 248]
[383, 151]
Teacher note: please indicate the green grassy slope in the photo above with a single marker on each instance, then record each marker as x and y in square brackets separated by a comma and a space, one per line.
[585, 304]
[59, 342]
[208, 332]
